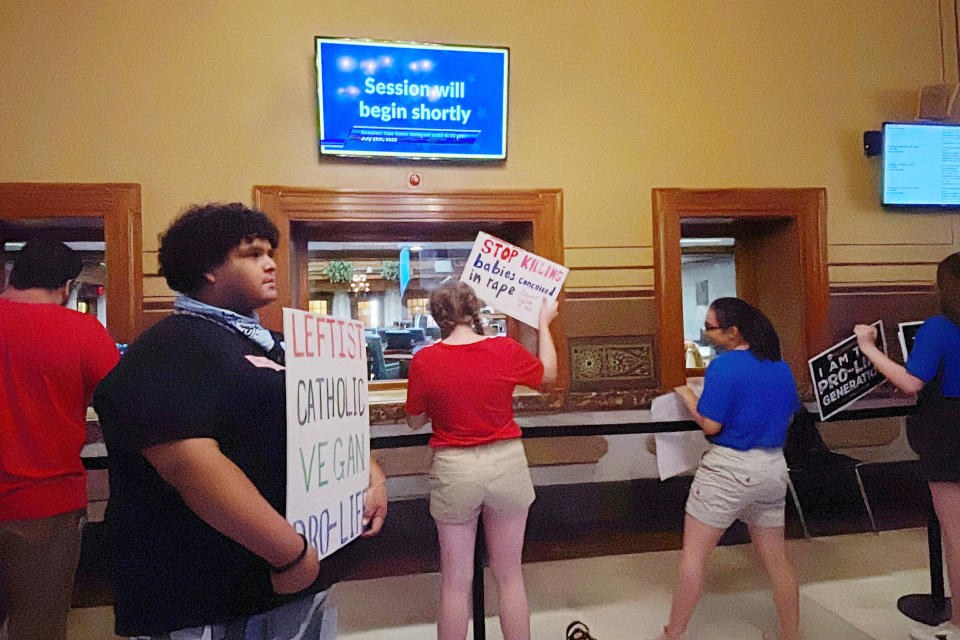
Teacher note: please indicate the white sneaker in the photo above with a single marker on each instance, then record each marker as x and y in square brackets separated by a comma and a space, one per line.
[945, 631]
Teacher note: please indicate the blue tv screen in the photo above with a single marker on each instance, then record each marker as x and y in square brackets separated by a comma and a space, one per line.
[407, 100]
[921, 164]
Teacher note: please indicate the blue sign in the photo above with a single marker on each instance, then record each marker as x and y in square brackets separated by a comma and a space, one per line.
[411, 100]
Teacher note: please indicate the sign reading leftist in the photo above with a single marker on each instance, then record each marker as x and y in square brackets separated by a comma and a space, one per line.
[52, 359]
[511, 279]
[328, 427]
[195, 420]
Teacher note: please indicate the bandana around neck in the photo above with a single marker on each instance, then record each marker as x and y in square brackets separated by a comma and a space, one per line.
[248, 326]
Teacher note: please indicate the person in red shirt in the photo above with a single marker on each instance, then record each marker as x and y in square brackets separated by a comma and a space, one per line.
[52, 359]
[464, 386]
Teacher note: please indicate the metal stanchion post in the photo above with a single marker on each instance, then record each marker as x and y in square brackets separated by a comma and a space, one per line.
[479, 606]
[934, 607]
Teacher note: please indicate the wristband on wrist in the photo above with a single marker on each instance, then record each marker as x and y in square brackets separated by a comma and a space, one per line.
[378, 484]
[295, 561]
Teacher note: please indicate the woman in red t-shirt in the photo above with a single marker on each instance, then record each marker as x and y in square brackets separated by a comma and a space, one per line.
[464, 386]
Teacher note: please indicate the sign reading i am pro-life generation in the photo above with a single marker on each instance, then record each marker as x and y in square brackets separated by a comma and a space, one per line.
[510, 279]
[328, 427]
[842, 374]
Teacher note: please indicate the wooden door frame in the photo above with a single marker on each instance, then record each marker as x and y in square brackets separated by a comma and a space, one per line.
[119, 206]
[807, 207]
[543, 209]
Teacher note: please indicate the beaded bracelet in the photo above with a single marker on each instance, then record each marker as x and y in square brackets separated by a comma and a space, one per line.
[295, 561]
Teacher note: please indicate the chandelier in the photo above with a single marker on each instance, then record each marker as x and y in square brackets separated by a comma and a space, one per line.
[359, 284]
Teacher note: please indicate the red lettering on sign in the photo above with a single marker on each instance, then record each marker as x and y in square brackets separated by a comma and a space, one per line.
[307, 335]
[296, 350]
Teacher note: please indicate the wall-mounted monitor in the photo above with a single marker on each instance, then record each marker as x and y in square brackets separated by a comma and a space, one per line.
[921, 165]
[409, 100]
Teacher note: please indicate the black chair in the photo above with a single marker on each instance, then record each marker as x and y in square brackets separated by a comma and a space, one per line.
[377, 367]
[399, 340]
[806, 453]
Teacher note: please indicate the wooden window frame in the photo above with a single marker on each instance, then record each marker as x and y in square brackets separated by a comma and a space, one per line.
[286, 206]
[807, 207]
[119, 206]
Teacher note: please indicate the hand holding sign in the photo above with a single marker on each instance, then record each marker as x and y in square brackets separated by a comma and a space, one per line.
[511, 279]
[375, 503]
[866, 335]
[549, 309]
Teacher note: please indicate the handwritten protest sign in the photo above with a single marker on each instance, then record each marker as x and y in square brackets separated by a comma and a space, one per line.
[510, 279]
[328, 427]
[842, 375]
[907, 333]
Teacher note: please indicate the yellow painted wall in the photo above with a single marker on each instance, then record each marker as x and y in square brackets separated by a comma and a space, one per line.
[200, 100]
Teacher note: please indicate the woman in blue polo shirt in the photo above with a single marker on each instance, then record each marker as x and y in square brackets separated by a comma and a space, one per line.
[749, 398]
[933, 372]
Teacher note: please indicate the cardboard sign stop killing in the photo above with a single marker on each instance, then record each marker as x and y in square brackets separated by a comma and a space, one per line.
[511, 279]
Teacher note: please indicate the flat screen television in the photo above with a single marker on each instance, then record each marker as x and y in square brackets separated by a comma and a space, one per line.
[411, 100]
[921, 164]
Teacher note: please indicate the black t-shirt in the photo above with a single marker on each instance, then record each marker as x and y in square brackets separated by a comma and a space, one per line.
[189, 377]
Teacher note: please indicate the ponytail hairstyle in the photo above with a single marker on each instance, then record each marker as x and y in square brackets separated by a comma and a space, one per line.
[754, 326]
[455, 304]
[948, 282]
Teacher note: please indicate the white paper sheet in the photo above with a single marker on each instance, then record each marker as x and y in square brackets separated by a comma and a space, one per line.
[669, 407]
[677, 451]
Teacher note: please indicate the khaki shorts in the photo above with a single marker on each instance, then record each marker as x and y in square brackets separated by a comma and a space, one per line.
[38, 561]
[745, 485]
[464, 480]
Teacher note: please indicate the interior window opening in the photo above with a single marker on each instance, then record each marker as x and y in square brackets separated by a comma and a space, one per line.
[708, 272]
[88, 293]
[386, 285]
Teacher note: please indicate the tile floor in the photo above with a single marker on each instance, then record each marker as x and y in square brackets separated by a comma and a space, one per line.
[849, 588]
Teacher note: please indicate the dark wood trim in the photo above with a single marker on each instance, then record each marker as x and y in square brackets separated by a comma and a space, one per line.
[808, 207]
[861, 289]
[119, 206]
[158, 305]
[543, 209]
[888, 263]
[618, 293]
[632, 267]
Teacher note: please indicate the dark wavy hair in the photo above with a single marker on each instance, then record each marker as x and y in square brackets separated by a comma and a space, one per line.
[754, 326]
[948, 282]
[44, 264]
[455, 304]
[202, 236]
